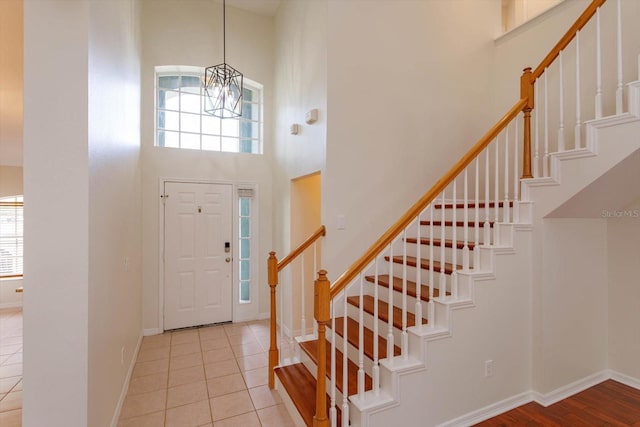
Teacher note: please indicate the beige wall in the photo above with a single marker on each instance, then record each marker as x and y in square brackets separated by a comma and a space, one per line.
[569, 305]
[402, 107]
[11, 76]
[10, 181]
[81, 150]
[623, 238]
[187, 32]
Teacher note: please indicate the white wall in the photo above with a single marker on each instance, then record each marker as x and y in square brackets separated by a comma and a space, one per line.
[56, 175]
[81, 165]
[623, 236]
[403, 105]
[189, 33]
[10, 185]
[115, 249]
[301, 85]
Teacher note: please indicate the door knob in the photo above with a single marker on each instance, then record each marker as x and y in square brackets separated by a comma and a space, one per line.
[228, 259]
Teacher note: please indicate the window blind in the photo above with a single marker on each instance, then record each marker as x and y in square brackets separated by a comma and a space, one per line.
[11, 236]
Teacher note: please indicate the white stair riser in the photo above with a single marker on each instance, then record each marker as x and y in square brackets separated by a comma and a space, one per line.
[412, 250]
[459, 213]
[313, 368]
[448, 233]
[383, 295]
[352, 352]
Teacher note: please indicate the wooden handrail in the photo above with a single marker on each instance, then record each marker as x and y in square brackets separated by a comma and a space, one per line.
[568, 36]
[424, 201]
[320, 232]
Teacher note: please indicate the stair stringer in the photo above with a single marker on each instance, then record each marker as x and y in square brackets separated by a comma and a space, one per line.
[607, 144]
[393, 405]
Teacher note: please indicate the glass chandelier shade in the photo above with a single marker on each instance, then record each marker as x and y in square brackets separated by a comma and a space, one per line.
[223, 84]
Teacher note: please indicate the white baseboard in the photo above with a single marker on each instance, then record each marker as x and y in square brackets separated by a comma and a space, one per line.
[489, 411]
[151, 331]
[568, 390]
[625, 379]
[545, 399]
[125, 386]
[263, 316]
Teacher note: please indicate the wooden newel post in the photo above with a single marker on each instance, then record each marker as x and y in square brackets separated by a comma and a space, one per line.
[322, 314]
[272, 269]
[527, 92]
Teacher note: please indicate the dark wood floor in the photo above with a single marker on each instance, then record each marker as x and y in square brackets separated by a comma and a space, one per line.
[607, 404]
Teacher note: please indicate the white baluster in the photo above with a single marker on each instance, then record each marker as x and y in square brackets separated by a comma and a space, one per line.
[536, 155]
[442, 285]
[496, 206]
[361, 340]
[290, 337]
[315, 270]
[619, 87]
[516, 178]
[577, 132]
[476, 222]
[431, 275]
[507, 178]
[545, 164]
[333, 412]
[454, 244]
[376, 364]
[465, 248]
[281, 327]
[598, 68]
[486, 226]
[303, 320]
[561, 144]
[418, 309]
[390, 342]
[405, 336]
[345, 366]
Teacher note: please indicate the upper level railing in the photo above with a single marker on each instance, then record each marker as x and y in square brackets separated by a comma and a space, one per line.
[274, 269]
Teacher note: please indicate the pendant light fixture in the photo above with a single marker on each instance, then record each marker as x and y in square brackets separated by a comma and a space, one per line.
[223, 84]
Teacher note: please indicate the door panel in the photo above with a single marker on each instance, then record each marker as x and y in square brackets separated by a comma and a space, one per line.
[198, 271]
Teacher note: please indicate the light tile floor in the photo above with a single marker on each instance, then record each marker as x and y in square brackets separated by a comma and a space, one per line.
[212, 376]
[11, 367]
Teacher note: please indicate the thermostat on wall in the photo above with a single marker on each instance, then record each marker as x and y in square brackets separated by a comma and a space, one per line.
[311, 116]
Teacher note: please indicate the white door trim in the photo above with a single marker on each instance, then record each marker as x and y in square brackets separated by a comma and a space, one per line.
[237, 313]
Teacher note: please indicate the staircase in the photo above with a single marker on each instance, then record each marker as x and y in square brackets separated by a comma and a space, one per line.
[385, 328]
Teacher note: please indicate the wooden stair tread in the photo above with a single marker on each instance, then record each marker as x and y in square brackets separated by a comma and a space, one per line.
[353, 335]
[311, 348]
[425, 264]
[470, 205]
[301, 388]
[458, 223]
[368, 303]
[448, 243]
[383, 280]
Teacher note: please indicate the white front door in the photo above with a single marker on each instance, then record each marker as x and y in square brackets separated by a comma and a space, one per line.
[197, 254]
